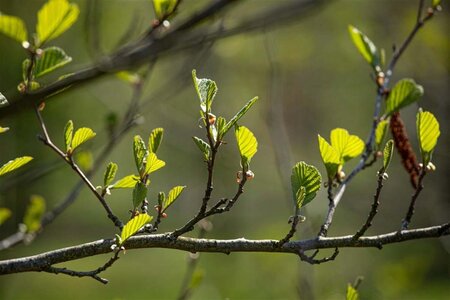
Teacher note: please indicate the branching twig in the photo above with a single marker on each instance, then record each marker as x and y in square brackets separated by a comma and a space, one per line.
[410, 213]
[311, 260]
[294, 222]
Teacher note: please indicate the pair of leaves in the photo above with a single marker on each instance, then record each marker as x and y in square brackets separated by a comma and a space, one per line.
[428, 133]
[305, 182]
[81, 136]
[51, 58]
[404, 93]
[366, 47]
[164, 8]
[34, 213]
[173, 195]
[343, 147]
[247, 144]
[133, 226]
[147, 157]
[14, 164]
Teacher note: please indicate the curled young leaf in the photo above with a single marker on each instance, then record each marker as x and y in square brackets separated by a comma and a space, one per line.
[110, 174]
[68, 135]
[140, 153]
[206, 91]
[133, 226]
[365, 46]
[237, 117]
[305, 177]
[173, 195]
[139, 194]
[380, 133]
[387, 154]
[155, 139]
[14, 164]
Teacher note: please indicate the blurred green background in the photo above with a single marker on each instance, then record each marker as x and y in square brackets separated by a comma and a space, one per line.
[310, 79]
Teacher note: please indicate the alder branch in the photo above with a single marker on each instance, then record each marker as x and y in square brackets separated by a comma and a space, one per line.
[42, 261]
[410, 213]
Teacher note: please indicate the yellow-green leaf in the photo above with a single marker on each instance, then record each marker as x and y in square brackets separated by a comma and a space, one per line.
[68, 135]
[404, 93]
[365, 46]
[54, 18]
[139, 194]
[4, 214]
[307, 177]
[133, 226]
[436, 3]
[428, 133]
[13, 27]
[3, 129]
[126, 182]
[129, 77]
[247, 144]
[155, 139]
[153, 163]
[14, 164]
[330, 157]
[173, 195]
[380, 133]
[203, 146]
[352, 293]
[34, 213]
[84, 160]
[52, 58]
[347, 146]
[163, 8]
[387, 154]
[140, 152]
[81, 136]
[237, 117]
[206, 91]
[110, 173]
[300, 196]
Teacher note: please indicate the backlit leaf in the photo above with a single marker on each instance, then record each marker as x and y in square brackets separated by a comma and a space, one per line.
[133, 226]
[54, 18]
[173, 195]
[307, 177]
[330, 157]
[365, 46]
[3, 129]
[14, 164]
[13, 27]
[155, 139]
[34, 213]
[247, 143]
[163, 8]
[404, 93]
[4, 214]
[206, 91]
[347, 146]
[139, 194]
[51, 59]
[237, 117]
[428, 133]
[352, 293]
[81, 136]
[153, 163]
[110, 173]
[203, 146]
[140, 152]
[68, 135]
[126, 182]
[387, 154]
[380, 132]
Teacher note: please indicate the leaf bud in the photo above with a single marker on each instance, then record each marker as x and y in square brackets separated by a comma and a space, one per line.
[431, 167]
[250, 175]
[211, 119]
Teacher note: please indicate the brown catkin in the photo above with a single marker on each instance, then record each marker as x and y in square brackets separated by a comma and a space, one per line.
[404, 148]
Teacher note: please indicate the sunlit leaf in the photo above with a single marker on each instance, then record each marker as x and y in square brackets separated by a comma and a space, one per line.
[4, 214]
[247, 143]
[330, 157]
[81, 136]
[126, 182]
[110, 173]
[153, 163]
[34, 213]
[380, 133]
[3, 129]
[173, 195]
[404, 93]
[300, 196]
[436, 3]
[308, 177]
[14, 164]
[13, 27]
[387, 154]
[163, 8]
[206, 91]
[140, 152]
[365, 46]
[237, 117]
[3, 100]
[84, 160]
[347, 146]
[54, 18]
[52, 58]
[68, 135]
[352, 293]
[155, 139]
[133, 226]
[203, 146]
[428, 133]
[139, 194]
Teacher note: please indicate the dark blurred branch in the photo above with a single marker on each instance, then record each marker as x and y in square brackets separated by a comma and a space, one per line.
[41, 262]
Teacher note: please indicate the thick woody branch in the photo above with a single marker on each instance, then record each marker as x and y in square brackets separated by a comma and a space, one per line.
[43, 261]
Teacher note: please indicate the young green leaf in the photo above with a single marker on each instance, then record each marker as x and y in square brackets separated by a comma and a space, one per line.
[220, 124]
[81, 136]
[52, 58]
[153, 163]
[68, 135]
[352, 293]
[163, 8]
[3, 129]
[161, 198]
[3, 100]
[155, 139]
[428, 133]
[14, 164]
[133, 226]
[387, 154]
[4, 214]
[140, 152]
[13, 27]
[346, 145]
[173, 195]
[34, 213]
[300, 196]
[126, 182]
[365, 46]
[404, 93]
[54, 18]
[139, 194]
[247, 144]
[307, 177]
[132, 78]
[110, 173]
[330, 157]
[206, 91]
[380, 133]
[203, 146]
[237, 117]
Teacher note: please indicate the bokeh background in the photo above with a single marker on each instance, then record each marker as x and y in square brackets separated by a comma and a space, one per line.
[310, 79]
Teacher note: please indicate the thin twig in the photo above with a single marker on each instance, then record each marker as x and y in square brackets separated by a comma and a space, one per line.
[311, 260]
[410, 213]
[294, 223]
